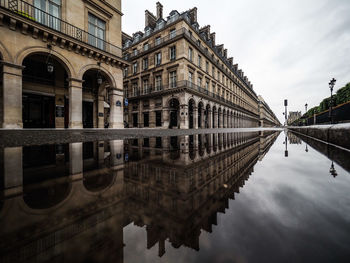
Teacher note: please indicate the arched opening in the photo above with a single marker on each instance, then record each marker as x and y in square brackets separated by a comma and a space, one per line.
[219, 118]
[201, 145]
[200, 115]
[96, 99]
[98, 180]
[224, 119]
[174, 107]
[191, 105]
[45, 92]
[174, 148]
[214, 113]
[207, 120]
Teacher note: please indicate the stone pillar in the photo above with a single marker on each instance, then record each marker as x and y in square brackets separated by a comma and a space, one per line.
[13, 170]
[75, 104]
[76, 158]
[116, 115]
[117, 152]
[166, 117]
[12, 96]
[202, 118]
[184, 117]
[195, 117]
[100, 112]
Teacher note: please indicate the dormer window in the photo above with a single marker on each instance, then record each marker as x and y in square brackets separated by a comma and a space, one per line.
[148, 31]
[173, 33]
[160, 24]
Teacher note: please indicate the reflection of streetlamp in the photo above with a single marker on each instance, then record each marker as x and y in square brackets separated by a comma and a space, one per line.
[306, 149]
[331, 86]
[285, 111]
[332, 171]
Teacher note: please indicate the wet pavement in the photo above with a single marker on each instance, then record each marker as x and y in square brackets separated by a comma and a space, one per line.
[257, 196]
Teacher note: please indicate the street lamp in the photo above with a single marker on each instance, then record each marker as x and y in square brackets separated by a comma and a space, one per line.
[305, 107]
[331, 86]
[285, 112]
[332, 170]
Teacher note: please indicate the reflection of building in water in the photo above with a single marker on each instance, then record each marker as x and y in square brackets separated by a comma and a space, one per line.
[267, 139]
[293, 139]
[66, 202]
[177, 195]
[71, 201]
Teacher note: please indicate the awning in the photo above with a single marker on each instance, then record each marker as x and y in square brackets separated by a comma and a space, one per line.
[106, 105]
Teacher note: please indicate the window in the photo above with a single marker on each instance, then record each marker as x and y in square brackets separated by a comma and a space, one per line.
[146, 124]
[172, 33]
[134, 51]
[97, 29]
[213, 88]
[199, 81]
[145, 63]
[158, 58]
[190, 78]
[199, 61]
[126, 92]
[219, 75]
[135, 89]
[207, 85]
[134, 68]
[145, 86]
[145, 46]
[172, 79]
[173, 53]
[213, 71]
[159, 121]
[125, 72]
[53, 8]
[158, 82]
[207, 66]
[190, 54]
[157, 42]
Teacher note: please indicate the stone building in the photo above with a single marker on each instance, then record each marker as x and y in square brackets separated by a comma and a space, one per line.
[61, 64]
[267, 116]
[179, 77]
[293, 116]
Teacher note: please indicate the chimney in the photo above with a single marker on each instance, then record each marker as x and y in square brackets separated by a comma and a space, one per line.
[159, 10]
[212, 36]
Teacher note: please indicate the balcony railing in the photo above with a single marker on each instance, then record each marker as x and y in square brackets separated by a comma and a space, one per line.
[39, 16]
[183, 84]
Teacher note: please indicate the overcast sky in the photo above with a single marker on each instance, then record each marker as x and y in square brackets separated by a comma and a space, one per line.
[287, 49]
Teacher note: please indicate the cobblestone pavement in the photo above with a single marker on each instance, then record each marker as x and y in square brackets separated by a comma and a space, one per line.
[25, 137]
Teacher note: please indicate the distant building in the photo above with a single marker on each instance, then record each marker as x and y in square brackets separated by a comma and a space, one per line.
[181, 78]
[267, 116]
[293, 116]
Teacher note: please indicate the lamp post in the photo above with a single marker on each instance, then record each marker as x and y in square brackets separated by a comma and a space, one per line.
[331, 86]
[285, 111]
[306, 107]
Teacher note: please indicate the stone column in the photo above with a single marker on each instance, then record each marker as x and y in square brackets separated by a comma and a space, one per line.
[75, 104]
[166, 117]
[116, 115]
[184, 117]
[195, 117]
[202, 118]
[76, 158]
[210, 118]
[12, 96]
[13, 170]
[100, 112]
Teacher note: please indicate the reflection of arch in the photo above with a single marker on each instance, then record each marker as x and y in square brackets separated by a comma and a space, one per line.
[46, 197]
[44, 51]
[191, 150]
[98, 180]
[174, 108]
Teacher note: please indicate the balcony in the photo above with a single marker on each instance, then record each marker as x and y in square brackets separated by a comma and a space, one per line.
[186, 85]
[35, 15]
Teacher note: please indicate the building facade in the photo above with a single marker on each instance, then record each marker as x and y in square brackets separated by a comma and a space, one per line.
[61, 64]
[293, 116]
[267, 116]
[180, 78]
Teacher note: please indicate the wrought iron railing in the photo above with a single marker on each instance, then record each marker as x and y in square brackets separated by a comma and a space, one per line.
[37, 15]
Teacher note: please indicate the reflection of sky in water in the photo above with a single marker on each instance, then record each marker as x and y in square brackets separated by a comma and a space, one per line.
[290, 210]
